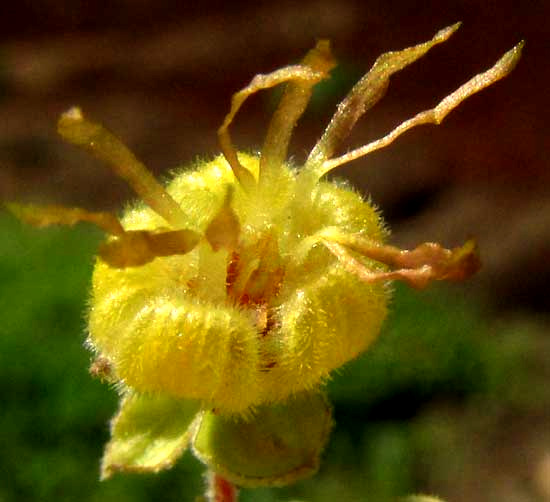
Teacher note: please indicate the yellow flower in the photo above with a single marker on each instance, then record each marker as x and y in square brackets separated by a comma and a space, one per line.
[247, 280]
[248, 324]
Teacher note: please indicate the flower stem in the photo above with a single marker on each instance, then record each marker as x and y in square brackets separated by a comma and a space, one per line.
[221, 490]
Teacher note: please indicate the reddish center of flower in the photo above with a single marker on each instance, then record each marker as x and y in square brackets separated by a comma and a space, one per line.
[254, 277]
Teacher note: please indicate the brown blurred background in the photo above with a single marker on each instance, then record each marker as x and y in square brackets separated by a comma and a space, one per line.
[160, 75]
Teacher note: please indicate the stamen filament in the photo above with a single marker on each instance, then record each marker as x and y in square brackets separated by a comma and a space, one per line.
[79, 131]
[365, 94]
[44, 216]
[435, 115]
[291, 107]
[428, 261]
[258, 83]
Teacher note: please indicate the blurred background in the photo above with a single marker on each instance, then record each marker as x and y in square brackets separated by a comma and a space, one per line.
[454, 398]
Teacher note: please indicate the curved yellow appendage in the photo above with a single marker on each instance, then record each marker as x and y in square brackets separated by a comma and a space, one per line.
[291, 107]
[76, 129]
[259, 82]
[365, 94]
[435, 115]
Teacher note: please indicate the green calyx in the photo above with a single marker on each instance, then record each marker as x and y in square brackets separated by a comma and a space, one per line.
[279, 445]
[148, 434]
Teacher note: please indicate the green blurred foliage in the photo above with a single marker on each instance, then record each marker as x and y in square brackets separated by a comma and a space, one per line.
[54, 421]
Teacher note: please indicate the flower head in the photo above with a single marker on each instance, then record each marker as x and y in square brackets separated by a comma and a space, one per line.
[246, 280]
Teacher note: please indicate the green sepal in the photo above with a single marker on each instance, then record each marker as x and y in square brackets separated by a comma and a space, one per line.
[278, 445]
[148, 434]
